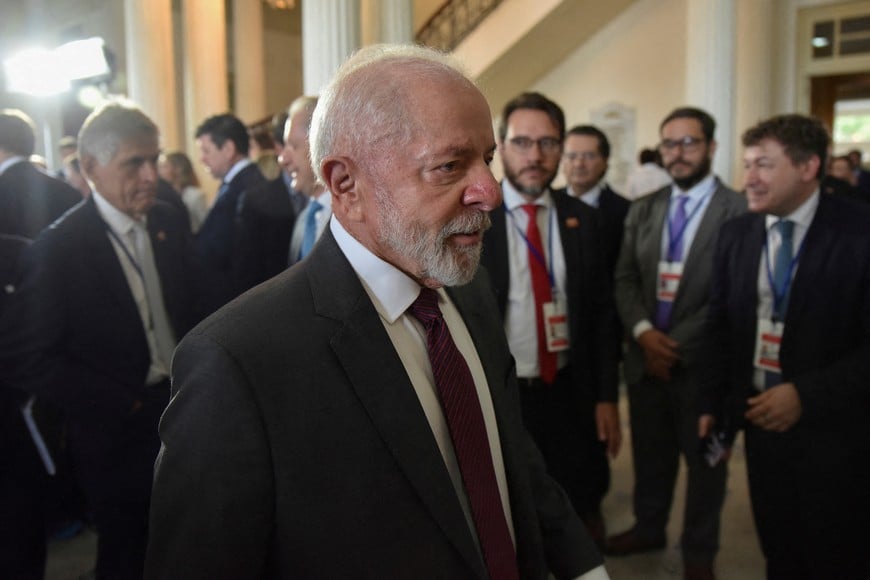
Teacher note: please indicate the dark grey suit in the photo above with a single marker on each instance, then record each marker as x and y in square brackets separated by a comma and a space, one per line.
[31, 199]
[663, 418]
[295, 446]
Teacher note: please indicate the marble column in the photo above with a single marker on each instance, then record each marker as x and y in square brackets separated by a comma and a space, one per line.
[754, 65]
[389, 21]
[151, 67]
[710, 75]
[249, 90]
[205, 73]
[330, 33]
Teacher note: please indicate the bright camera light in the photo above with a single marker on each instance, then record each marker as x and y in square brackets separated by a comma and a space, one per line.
[43, 72]
[35, 72]
[821, 42]
[82, 59]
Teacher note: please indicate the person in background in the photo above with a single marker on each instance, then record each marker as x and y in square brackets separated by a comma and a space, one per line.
[175, 167]
[646, 177]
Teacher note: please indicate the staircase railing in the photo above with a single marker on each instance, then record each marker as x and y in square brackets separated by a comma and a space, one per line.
[453, 22]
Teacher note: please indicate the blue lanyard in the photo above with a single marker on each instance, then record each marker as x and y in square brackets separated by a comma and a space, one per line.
[780, 293]
[127, 253]
[675, 237]
[535, 253]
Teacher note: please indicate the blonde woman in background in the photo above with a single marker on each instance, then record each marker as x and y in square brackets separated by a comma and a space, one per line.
[175, 167]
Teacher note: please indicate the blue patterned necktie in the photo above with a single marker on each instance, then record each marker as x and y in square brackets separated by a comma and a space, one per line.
[310, 234]
[781, 283]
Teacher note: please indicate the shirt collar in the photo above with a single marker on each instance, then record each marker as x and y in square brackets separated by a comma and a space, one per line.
[120, 222]
[802, 216]
[513, 199]
[592, 196]
[698, 191]
[324, 199]
[236, 169]
[10, 162]
[392, 290]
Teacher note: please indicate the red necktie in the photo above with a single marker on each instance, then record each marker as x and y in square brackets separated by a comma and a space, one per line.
[467, 430]
[547, 361]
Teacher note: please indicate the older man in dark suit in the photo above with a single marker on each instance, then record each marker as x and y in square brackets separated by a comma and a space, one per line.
[104, 297]
[789, 354]
[352, 417]
[30, 199]
[662, 285]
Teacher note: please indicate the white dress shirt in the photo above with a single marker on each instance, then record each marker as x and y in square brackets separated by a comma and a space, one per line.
[121, 225]
[521, 325]
[802, 218]
[592, 197]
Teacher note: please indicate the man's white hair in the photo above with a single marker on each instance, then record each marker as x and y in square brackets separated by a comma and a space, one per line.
[110, 125]
[366, 105]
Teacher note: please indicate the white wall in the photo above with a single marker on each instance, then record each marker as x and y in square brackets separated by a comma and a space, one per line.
[637, 60]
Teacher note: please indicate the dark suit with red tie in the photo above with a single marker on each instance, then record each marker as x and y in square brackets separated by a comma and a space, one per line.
[564, 424]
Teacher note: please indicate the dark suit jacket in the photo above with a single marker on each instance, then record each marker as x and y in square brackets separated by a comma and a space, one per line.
[612, 209]
[594, 355]
[294, 446]
[217, 241]
[266, 226]
[73, 334]
[636, 270]
[31, 199]
[825, 350]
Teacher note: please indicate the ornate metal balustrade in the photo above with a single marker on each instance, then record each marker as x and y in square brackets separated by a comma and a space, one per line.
[453, 22]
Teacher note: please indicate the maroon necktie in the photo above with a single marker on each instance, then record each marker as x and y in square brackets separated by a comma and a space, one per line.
[467, 430]
[547, 361]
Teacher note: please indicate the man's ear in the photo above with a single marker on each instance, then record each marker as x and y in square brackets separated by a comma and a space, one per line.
[342, 178]
[87, 163]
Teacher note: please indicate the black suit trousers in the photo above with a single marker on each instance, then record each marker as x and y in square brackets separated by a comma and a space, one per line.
[563, 427]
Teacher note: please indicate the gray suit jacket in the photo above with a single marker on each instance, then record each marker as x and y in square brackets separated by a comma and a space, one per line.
[636, 271]
[295, 446]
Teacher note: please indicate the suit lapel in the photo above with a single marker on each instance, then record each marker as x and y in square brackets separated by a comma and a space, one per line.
[707, 230]
[377, 376]
[818, 248]
[495, 255]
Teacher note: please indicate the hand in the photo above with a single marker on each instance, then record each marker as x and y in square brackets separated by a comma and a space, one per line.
[705, 425]
[776, 409]
[607, 423]
[659, 353]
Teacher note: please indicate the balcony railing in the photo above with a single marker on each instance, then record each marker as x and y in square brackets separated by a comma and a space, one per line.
[453, 22]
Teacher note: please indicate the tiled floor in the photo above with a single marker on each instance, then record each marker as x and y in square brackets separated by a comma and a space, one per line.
[739, 558]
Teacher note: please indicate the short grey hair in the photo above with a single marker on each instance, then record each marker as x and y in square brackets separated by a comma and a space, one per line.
[110, 125]
[366, 104]
[305, 103]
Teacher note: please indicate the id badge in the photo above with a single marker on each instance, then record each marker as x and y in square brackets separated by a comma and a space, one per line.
[668, 281]
[767, 343]
[556, 326]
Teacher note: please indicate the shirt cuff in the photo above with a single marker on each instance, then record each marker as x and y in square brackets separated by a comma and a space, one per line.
[640, 328]
[598, 573]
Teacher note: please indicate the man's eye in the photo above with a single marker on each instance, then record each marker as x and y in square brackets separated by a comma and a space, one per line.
[449, 166]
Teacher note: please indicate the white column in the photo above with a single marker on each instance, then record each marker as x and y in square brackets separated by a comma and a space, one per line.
[151, 66]
[754, 64]
[248, 61]
[710, 74]
[205, 75]
[389, 21]
[330, 33]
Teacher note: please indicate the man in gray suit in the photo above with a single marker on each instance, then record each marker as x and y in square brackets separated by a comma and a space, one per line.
[357, 415]
[662, 287]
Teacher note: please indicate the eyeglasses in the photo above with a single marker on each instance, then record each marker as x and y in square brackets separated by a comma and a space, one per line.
[686, 143]
[548, 145]
[585, 156]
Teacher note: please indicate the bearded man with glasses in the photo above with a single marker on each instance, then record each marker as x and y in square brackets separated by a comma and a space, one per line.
[662, 285]
[546, 262]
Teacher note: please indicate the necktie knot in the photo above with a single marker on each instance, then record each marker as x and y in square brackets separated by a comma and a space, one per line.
[425, 307]
[786, 230]
[531, 210]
